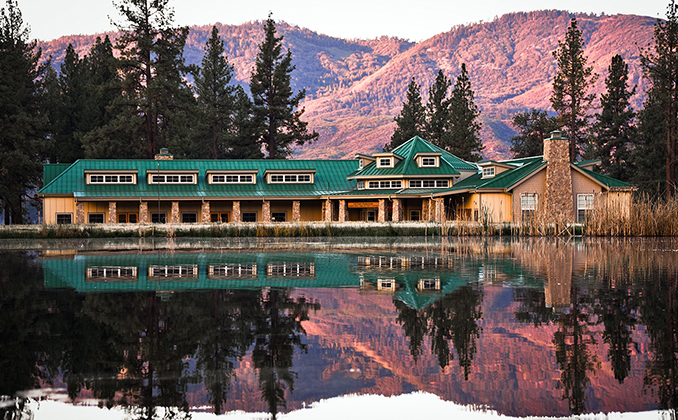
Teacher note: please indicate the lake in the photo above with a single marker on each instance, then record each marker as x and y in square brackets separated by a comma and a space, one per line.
[518, 326]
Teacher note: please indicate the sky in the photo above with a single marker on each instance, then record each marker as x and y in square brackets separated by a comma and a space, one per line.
[415, 20]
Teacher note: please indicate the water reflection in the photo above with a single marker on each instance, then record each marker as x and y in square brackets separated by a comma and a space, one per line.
[526, 327]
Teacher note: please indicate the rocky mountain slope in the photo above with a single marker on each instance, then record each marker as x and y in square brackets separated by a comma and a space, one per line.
[355, 87]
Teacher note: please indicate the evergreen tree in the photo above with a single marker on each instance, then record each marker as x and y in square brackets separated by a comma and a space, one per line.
[533, 127]
[615, 125]
[244, 142]
[648, 154]
[156, 102]
[216, 97]
[438, 112]
[465, 128]
[573, 80]
[275, 110]
[412, 119]
[661, 67]
[21, 120]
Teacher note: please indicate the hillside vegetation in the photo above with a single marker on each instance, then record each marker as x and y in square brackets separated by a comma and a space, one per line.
[355, 87]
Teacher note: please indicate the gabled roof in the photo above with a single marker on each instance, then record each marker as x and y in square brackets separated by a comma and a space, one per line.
[450, 165]
[505, 180]
[329, 178]
[605, 180]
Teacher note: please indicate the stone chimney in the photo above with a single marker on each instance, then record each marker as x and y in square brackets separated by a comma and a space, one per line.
[558, 201]
[164, 155]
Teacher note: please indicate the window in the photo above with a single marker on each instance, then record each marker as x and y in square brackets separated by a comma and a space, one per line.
[282, 269]
[386, 285]
[291, 178]
[95, 218]
[128, 217]
[528, 206]
[102, 273]
[278, 216]
[173, 179]
[189, 217]
[415, 215]
[429, 284]
[111, 179]
[249, 216]
[64, 218]
[360, 164]
[584, 207]
[173, 271]
[385, 162]
[429, 161]
[158, 218]
[371, 216]
[361, 185]
[488, 172]
[232, 179]
[429, 183]
[384, 184]
[219, 217]
[232, 270]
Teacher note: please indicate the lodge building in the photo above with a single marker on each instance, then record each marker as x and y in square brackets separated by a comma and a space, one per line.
[417, 181]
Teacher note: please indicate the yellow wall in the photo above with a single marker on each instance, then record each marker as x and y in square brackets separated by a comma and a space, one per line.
[54, 205]
[311, 210]
[535, 184]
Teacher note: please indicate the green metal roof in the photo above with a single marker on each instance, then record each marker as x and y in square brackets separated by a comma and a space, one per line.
[52, 170]
[504, 180]
[606, 180]
[450, 165]
[330, 178]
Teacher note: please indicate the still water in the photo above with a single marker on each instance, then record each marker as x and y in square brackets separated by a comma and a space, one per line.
[525, 327]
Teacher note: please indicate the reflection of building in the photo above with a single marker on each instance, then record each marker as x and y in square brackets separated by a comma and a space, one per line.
[415, 182]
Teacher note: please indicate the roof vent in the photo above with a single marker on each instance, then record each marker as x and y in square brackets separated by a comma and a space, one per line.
[164, 155]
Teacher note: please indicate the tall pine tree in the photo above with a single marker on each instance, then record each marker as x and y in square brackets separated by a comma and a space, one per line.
[661, 67]
[438, 129]
[276, 108]
[533, 127]
[465, 140]
[412, 119]
[615, 125]
[21, 119]
[573, 81]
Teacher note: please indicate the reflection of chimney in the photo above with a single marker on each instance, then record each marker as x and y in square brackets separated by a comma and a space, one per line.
[164, 155]
[557, 292]
[558, 202]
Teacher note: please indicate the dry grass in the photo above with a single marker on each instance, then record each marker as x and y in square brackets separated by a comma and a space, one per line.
[646, 217]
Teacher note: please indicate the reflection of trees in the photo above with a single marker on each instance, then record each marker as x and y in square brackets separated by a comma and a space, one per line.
[454, 317]
[278, 330]
[23, 324]
[659, 312]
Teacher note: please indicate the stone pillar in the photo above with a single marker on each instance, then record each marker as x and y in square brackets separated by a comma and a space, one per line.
[112, 212]
[205, 211]
[424, 209]
[236, 216]
[296, 211]
[439, 206]
[343, 211]
[143, 212]
[174, 218]
[266, 211]
[381, 216]
[328, 214]
[80, 212]
[398, 210]
[558, 200]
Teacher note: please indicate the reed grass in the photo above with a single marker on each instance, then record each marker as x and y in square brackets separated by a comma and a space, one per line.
[644, 217]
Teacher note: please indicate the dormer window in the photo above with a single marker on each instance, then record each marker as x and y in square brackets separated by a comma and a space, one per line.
[124, 177]
[289, 177]
[429, 161]
[488, 172]
[385, 163]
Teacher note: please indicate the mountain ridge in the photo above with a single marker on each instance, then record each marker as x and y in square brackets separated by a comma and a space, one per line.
[355, 87]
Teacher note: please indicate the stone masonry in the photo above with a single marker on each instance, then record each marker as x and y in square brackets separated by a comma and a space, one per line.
[112, 212]
[266, 211]
[343, 211]
[558, 203]
[328, 213]
[205, 211]
[296, 211]
[397, 210]
[174, 218]
[236, 216]
[381, 216]
[143, 212]
[80, 212]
